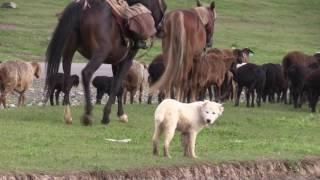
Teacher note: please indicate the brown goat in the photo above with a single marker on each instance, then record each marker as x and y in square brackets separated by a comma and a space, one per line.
[209, 70]
[17, 76]
[135, 80]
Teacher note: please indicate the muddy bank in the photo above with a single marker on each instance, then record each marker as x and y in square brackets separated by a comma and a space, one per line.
[304, 169]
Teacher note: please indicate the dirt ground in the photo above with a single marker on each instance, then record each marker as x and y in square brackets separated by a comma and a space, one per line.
[308, 168]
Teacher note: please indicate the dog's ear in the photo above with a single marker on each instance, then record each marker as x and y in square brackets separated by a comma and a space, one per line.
[205, 102]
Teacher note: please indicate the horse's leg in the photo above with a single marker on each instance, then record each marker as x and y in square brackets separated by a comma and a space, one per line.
[123, 117]
[125, 92]
[87, 73]
[119, 75]
[68, 53]
[67, 56]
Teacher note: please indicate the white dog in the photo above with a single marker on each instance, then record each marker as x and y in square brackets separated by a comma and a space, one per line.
[190, 119]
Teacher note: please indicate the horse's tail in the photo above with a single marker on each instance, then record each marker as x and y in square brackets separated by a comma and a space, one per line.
[67, 23]
[174, 51]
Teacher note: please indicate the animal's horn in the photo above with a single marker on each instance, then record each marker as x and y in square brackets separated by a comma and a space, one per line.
[199, 3]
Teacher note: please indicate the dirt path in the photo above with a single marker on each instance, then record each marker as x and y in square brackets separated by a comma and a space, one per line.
[76, 68]
[286, 170]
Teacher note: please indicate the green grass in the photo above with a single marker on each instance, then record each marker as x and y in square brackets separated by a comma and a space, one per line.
[271, 28]
[36, 139]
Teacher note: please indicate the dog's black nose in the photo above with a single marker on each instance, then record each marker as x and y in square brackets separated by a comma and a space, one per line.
[208, 120]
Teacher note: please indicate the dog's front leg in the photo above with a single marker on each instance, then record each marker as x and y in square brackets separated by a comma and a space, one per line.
[168, 135]
[192, 143]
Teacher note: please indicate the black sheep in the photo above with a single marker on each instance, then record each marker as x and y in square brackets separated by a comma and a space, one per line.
[155, 70]
[103, 85]
[57, 85]
[297, 75]
[252, 77]
[275, 83]
[312, 85]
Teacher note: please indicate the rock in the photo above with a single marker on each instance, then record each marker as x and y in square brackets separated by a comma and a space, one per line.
[10, 5]
[12, 106]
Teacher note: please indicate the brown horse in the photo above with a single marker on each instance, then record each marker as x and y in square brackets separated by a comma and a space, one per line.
[186, 33]
[96, 34]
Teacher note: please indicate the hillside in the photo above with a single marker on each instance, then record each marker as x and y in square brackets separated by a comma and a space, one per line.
[271, 28]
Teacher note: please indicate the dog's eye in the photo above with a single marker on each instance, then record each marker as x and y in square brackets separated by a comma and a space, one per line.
[207, 112]
[213, 113]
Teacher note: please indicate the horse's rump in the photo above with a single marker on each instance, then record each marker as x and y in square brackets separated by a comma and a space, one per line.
[186, 35]
[184, 38]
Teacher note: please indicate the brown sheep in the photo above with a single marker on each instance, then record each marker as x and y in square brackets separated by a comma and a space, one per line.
[231, 58]
[209, 70]
[135, 79]
[299, 58]
[17, 76]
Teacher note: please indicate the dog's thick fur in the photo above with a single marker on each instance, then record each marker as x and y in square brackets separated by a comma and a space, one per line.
[190, 119]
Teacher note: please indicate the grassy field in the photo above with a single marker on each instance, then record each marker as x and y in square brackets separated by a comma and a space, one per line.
[36, 139]
[271, 28]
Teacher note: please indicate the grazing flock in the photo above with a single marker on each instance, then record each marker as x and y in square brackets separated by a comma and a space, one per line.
[188, 70]
[226, 72]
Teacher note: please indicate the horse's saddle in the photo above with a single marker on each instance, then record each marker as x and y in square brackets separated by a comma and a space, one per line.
[122, 9]
[137, 18]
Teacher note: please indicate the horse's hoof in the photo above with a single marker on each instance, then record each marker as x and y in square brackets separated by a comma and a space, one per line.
[106, 122]
[123, 118]
[86, 120]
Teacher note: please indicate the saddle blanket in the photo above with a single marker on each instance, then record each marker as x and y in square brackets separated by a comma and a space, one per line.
[122, 9]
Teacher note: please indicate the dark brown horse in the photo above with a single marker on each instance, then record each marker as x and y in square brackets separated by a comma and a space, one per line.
[95, 33]
[186, 33]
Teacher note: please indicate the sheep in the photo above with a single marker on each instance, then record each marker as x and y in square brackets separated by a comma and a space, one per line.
[57, 85]
[17, 76]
